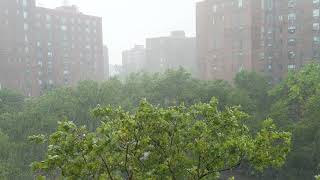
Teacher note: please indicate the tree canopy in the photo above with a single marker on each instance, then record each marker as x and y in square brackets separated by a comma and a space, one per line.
[179, 142]
[293, 104]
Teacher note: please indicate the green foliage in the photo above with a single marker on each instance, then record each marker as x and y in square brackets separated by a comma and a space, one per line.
[295, 90]
[10, 101]
[297, 108]
[293, 105]
[21, 117]
[255, 87]
[178, 142]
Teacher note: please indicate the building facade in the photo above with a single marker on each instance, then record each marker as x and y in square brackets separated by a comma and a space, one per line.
[268, 36]
[292, 35]
[229, 33]
[134, 60]
[47, 48]
[171, 52]
[16, 40]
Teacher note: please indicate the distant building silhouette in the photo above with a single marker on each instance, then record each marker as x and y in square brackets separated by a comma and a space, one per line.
[134, 60]
[41, 48]
[171, 52]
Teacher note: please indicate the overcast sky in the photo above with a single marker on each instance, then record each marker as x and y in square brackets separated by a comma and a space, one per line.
[130, 22]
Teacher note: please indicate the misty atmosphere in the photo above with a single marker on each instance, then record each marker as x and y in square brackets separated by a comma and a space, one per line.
[160, 89]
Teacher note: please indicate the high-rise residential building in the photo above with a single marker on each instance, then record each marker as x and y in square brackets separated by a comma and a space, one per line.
[292, 34]
[134, 60]
[171, 52]
[268, 36]
[106, 62]
[16, 40]
[229, 35]
[43, 48]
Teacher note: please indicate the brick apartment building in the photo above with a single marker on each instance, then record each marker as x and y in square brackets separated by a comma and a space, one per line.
[269, 36]
[171, 52]
[42, 48]
[228, 37]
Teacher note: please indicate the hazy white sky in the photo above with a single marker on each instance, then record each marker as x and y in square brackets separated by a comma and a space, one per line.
[130, 22]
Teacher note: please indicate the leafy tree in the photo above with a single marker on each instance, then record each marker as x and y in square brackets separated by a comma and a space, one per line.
[4, 155]
[10, 101]
[178, 142]
[256, 86]
[292, 94]
[297, 109]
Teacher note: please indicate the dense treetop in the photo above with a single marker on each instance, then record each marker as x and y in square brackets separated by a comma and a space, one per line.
[293, 104]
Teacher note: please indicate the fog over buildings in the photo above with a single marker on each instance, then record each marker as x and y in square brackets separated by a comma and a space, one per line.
[52, 43]
[130, 22]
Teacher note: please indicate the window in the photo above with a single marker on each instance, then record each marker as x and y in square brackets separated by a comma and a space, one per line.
[48, 17]
[25, 26]
[316, 53]
[214, 8]
[316, 13]
[280, 18]
[262, 56]
[24, 3]
[64, 28]
[316, 1]
[240, 3]
[292, 17]
[291, 3]
[291, 41]
[48, 26]
[291, 66]
[291, 55]
[63, 20]
[292, 29]
[270, 4]
[25, 15]
[316, 40]
[316, 26]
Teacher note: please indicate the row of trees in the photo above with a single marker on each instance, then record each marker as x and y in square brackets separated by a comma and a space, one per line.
[292, 104]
